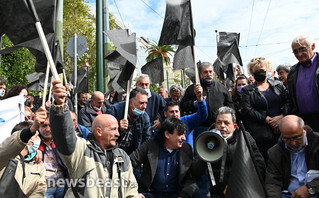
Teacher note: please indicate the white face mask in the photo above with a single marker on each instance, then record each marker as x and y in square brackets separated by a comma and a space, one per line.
[228, 136]
[149, 94]
[97, 108]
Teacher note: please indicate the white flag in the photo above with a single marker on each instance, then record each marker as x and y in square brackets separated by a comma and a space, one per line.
[11, 113]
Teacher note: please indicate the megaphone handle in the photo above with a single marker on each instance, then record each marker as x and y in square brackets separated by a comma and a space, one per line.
[211, 174]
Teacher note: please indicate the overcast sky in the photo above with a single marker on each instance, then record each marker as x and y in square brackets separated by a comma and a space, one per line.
[266, 27]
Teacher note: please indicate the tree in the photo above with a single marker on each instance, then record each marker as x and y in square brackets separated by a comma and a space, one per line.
[16, 65]
[154, 51]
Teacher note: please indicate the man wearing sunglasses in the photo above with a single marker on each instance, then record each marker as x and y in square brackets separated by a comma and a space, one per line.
[303, 81]
[290, 160]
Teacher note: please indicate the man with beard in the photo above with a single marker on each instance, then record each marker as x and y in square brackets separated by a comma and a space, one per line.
[291, 159]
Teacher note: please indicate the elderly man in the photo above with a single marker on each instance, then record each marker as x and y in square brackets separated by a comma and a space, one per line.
[303, 81]
[291, 159]
[96, 107]
[156, 104]
[283, 70]
[137, 128]
[96, 159]
[226, 124]
[166, 162]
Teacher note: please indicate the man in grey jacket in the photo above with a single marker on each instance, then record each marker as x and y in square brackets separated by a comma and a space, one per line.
[97, 168]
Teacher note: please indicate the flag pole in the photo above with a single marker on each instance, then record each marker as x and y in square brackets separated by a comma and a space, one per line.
[43, 39]
[45, 85]
[127, 99]
[193, 46]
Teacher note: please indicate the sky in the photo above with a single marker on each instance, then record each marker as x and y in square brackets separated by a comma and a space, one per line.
[266, 27]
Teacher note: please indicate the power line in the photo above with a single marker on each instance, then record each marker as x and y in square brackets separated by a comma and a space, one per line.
[152, 9]
[251, 18]
[263, 25]
[118, 10]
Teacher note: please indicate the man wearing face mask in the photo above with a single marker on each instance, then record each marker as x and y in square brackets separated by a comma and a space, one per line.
[30, 174]
[216, 96]
[96, 107]
[137, 128]
[226, 124]
[156, 104]
[241, 82]
[290, 160]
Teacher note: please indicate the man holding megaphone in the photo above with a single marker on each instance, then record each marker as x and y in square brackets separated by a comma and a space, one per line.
[229, 132]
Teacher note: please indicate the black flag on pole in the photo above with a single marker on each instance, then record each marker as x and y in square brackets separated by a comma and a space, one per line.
[125, 56]
[227, 54]
[177, 26]
[155, 70]
[82, 80]
[244, 180]
[183, 58]
[17, 22]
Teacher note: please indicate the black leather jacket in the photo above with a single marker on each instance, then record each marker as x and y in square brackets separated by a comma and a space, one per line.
[255, 111]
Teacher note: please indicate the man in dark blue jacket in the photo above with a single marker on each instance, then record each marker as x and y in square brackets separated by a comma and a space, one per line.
[137, 128]
[156, 104]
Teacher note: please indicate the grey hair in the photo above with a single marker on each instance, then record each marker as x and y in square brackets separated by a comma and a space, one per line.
[143, 76]
[308, 39]
[204, 64]
[176, 87]
[284, 66]
[226, 110]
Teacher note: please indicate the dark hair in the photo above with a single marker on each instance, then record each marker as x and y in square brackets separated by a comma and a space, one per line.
[241, 77]
[2, 81]
[80, 93]
[170, 124]
[20, 126]
[170, 104]
[137, 90]
[15, 90]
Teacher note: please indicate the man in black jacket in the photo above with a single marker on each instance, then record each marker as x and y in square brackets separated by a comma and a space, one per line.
[291, 158]
[166, 162]
[226, 124]
[303, 81]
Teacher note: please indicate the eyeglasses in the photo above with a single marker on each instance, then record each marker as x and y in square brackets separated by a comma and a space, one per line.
[301, 49]
[257, 58]
[296, 138]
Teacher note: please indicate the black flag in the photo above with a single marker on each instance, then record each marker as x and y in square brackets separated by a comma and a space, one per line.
[227, 48]
[244, 180]
[82, 80]
[125, 56]
[17, 22]
[120, 71]
[183, 58]
[177, 26]
[154, 69]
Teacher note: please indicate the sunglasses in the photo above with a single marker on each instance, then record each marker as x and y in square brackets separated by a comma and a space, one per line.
[257, 58]
[301, 49]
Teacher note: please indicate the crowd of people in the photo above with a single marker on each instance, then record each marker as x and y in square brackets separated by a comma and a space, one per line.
[98, 152]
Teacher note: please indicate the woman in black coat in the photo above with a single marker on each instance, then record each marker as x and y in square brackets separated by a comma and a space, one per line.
[264, 103]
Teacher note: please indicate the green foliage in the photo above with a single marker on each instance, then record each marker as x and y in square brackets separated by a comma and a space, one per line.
[154, 51]
[16, 65]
